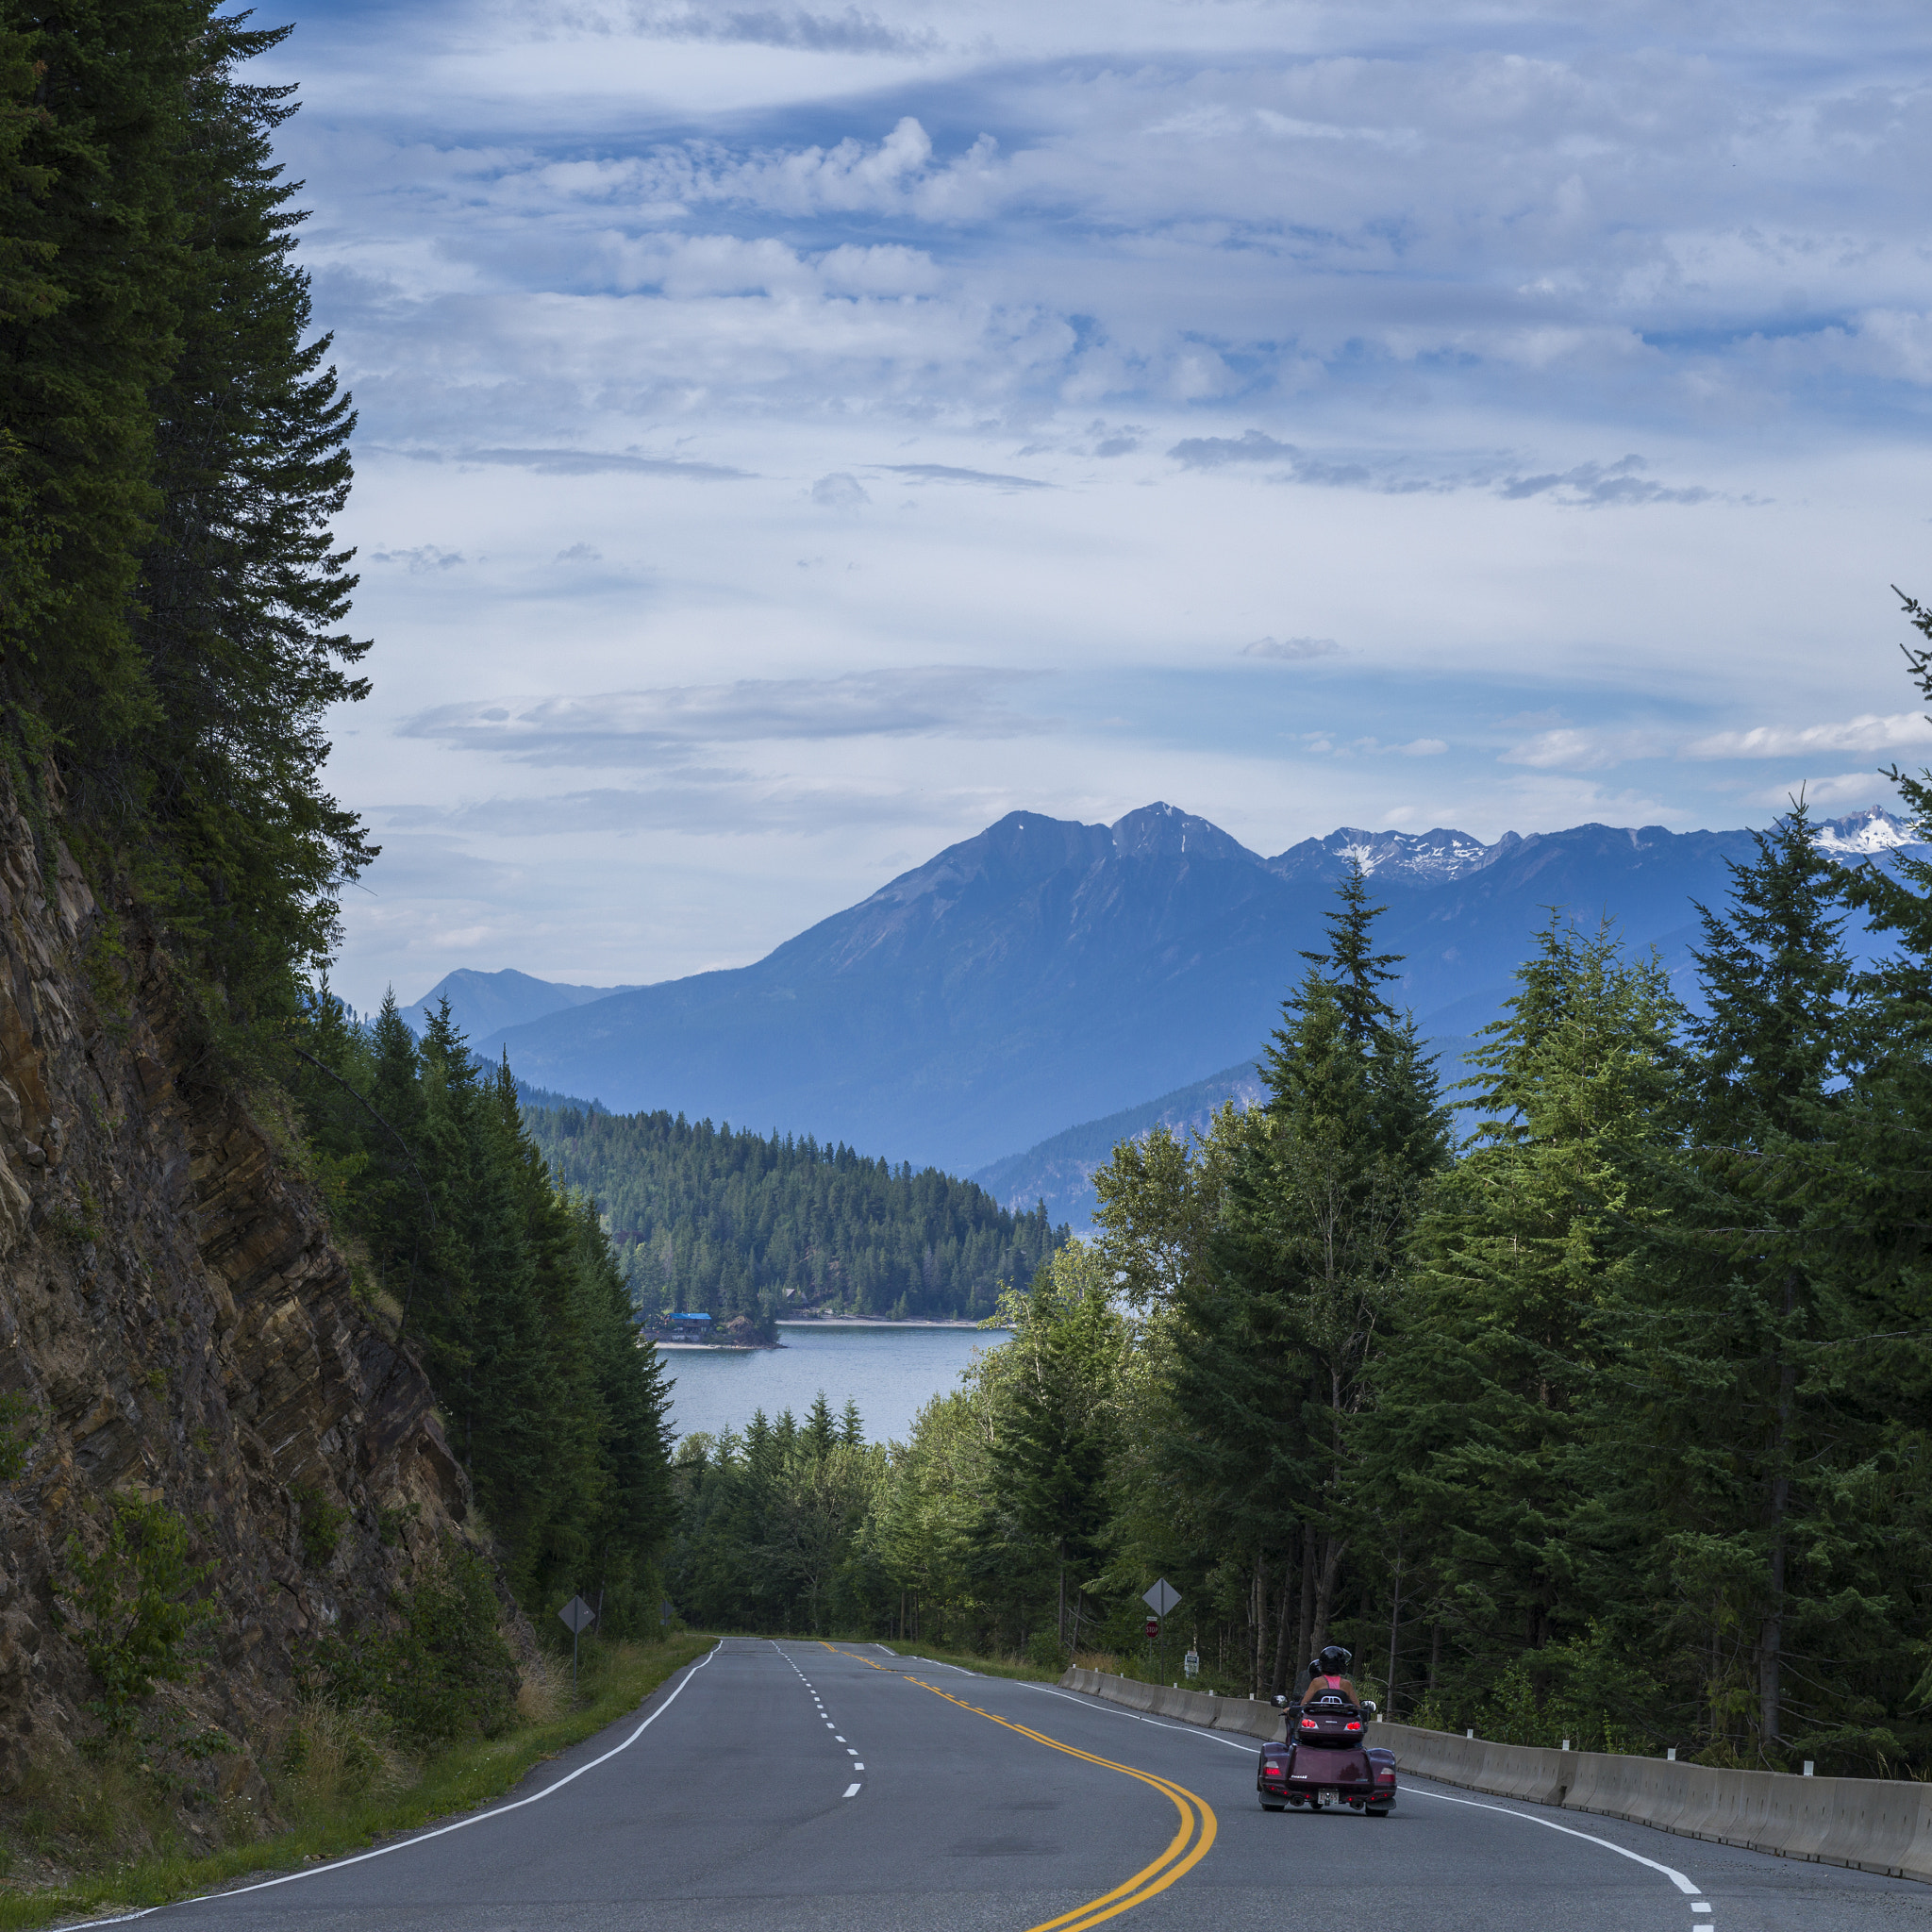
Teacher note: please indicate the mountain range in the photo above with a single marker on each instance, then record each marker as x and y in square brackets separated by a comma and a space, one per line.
[1048, 972]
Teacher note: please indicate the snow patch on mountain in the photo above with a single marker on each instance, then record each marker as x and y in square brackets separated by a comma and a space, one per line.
[1865, 834]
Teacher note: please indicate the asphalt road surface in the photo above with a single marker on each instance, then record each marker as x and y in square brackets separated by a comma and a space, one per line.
[798, 1785]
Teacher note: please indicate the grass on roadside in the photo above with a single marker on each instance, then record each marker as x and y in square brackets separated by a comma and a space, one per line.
[616, 1678]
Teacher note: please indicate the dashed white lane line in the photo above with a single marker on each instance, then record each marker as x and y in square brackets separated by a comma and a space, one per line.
[851, 1791]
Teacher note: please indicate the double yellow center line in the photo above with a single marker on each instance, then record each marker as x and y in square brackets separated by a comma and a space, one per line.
[1185, 1850]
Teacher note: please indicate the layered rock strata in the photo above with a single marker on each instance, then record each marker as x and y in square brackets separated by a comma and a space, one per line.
[176, 1322]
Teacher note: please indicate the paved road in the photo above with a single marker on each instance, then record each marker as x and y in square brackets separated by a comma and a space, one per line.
[796, 1786]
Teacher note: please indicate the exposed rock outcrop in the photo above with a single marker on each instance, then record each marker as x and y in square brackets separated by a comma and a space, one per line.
[175, 1315]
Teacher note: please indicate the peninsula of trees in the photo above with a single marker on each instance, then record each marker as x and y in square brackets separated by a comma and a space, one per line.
[735, 1224]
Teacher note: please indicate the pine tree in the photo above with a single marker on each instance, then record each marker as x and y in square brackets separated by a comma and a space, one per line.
[1734, 1293]
[1481, 1437]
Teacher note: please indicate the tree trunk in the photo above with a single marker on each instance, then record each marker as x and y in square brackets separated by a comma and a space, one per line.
[1324, 1589]
[1257, 1610]
[1435, 1654]
[1306, 1627]
[1060, 1619]
[1278, 1678]
[1394, 1625]
[1771, 1632]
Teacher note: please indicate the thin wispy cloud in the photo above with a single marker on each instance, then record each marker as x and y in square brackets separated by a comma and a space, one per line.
[642, 726]
[849, 32]
[583, 462]
[1291, 649]
[947, 473]
[1900, 731]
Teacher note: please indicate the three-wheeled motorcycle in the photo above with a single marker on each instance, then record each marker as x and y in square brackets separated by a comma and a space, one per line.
[1325, 1760]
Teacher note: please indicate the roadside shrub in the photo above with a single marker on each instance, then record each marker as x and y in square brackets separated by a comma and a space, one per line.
[446, 1672]
[133, 1606]
[321, 1524]
[17, 1433]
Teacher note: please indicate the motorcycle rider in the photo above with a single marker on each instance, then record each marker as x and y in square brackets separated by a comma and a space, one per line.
[1328, 1677]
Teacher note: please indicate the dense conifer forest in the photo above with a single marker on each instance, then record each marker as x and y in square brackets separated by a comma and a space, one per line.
[173, 449]
[735, 1223]
[1612, 1423]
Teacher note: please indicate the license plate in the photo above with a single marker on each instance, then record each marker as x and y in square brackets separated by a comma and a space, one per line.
[1327, 1793]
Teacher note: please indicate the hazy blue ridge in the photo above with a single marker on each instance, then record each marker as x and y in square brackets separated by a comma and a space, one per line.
[1059, 1171]
[1045, 972]
[482, 1003]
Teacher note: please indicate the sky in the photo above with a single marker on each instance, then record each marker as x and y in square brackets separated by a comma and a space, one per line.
[790, 439]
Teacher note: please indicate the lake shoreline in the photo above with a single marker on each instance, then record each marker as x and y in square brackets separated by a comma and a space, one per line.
[873, 1322]
[891, 1370]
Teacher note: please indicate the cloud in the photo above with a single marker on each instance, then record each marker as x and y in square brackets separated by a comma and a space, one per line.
[579, 553]
[582, 462]
[659, 725]
[851, 32]
[1595, 485]
[425, 557]
[1215, 452]
[1291, 649]
[1841, 790]
[1898, 731]
[838, 492]
[945, 473]
[1572, 750]
[1591, 485]
[707, 804]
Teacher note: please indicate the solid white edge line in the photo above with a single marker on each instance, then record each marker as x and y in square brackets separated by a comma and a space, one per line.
[423, 1838]
[1670, 1872]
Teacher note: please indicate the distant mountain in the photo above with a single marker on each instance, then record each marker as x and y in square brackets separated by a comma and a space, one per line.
[482, 1003]
[1060, 1171]
[1046, 971]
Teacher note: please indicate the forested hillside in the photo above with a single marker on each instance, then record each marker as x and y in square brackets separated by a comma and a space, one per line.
[510, 1291]
[173, 449]
[704, 1218]
[1612, 1424]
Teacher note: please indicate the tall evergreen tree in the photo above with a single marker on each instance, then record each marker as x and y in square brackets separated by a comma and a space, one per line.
[1735, 1292]
[1480, 1439]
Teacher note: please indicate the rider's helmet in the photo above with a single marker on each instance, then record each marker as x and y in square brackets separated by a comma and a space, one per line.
[1334, 1661]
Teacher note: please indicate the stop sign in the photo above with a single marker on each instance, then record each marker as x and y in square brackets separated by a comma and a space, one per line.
[1153, 1626]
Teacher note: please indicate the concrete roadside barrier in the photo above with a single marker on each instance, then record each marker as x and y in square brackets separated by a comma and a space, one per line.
[1870, 1824]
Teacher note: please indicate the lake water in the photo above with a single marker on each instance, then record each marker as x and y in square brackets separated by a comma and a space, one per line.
[890, 1373]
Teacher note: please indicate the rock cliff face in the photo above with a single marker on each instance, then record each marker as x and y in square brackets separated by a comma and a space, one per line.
[175, 1322]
